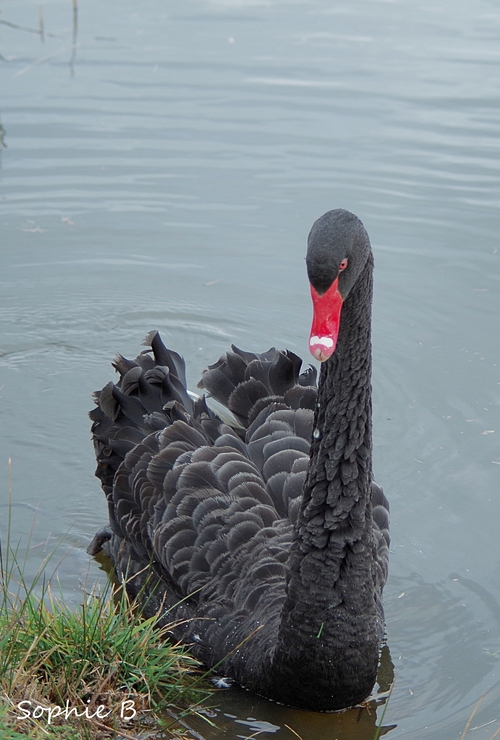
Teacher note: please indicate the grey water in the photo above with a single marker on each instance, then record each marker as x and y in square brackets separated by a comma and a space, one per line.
[161, 165]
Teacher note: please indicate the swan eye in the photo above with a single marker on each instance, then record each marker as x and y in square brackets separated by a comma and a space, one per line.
[343, 265]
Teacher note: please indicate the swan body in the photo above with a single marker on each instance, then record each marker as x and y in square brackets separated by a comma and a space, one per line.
[265, 541]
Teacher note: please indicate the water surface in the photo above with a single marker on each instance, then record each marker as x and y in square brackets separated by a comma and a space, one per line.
[163, 164]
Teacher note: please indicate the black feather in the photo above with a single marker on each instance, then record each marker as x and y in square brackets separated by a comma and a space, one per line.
[265, 545]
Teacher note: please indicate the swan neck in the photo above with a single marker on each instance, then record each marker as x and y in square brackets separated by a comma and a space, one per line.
[340, 469]
[330, 616]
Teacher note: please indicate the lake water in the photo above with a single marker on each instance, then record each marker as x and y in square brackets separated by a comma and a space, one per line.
[164, 162]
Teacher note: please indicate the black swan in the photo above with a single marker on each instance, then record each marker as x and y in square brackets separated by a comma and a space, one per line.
[259, 531]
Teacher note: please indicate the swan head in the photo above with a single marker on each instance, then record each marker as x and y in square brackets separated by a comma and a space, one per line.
[338, 248]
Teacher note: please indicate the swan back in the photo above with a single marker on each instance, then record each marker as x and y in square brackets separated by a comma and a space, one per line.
[210, 506]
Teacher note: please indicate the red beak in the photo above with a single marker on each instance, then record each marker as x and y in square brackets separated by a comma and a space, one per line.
[326, 321]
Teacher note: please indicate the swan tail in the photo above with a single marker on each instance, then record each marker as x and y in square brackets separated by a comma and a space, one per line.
[150, 393]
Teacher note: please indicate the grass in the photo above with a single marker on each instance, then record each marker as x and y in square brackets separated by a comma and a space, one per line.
[378, 731]
[92, 672]
[469, 722]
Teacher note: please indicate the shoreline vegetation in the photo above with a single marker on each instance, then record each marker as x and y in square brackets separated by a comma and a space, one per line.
[99, 670]
[91, 672]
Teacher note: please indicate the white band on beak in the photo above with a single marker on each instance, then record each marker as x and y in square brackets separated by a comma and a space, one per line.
[325, 341]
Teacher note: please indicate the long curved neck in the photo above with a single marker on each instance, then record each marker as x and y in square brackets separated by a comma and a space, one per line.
[337, 488]
[329, 611]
